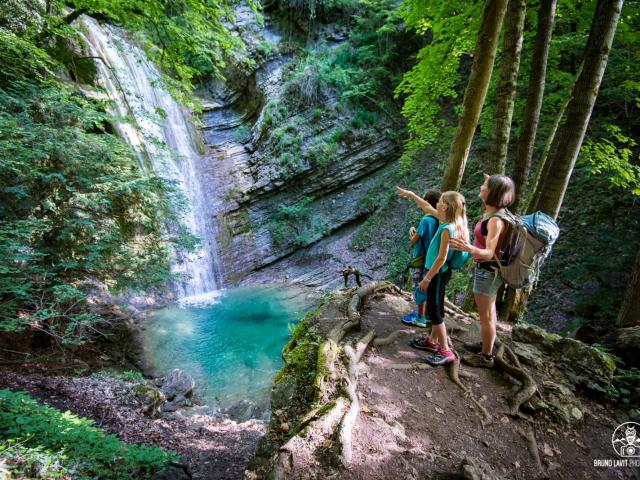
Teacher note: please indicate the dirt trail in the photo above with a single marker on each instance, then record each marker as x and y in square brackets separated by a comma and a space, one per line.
[415, 423]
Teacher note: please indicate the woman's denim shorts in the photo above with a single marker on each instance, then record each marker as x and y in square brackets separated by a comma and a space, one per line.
[486, 283]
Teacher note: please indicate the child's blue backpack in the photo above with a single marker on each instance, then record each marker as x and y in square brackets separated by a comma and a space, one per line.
[458, 260]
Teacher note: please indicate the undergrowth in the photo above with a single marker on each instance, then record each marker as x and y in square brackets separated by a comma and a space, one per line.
[38, 441]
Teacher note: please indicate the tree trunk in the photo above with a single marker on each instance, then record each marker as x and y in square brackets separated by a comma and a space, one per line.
[571, 133]
[568, 140]
[506, 91]
[484, 57]
[543, 165]
[534, 100]
[629, 315]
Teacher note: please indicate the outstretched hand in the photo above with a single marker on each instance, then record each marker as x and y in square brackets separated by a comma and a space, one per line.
[460, 245]
[403, 193]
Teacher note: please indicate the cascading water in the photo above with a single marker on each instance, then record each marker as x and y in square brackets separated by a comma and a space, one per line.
[158, 130]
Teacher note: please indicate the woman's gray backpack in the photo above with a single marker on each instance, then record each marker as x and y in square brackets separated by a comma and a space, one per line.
[525, 247]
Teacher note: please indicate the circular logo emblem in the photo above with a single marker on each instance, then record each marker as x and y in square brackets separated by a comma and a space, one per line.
[626, 440]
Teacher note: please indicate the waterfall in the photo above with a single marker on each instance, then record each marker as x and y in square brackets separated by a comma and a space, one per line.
[159, 131]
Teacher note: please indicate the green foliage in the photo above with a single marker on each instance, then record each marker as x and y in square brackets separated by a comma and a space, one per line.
[242, 133]
[322, 152]
[450, 28]
[42, 442]
[132, 376]
[613, 159]
[74, 202]
[625, 387]
[294, 225]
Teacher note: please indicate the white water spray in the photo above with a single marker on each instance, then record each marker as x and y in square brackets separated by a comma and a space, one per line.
[158, 130]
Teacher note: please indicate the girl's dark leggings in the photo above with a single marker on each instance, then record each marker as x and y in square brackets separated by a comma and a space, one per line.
[435, 297]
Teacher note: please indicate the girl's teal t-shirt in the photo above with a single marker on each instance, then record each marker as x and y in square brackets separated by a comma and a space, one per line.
[434, 247]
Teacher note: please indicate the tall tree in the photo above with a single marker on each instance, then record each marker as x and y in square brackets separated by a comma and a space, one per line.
[483, 60]
[506, 91]
[629, 315]
[568, 139]
[543, 164]
[535, 93]
[552, 187]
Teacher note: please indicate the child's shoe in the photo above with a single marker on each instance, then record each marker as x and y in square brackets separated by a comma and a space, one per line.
[425, 343]
[441, 357]
[421, 322]
[408, 319]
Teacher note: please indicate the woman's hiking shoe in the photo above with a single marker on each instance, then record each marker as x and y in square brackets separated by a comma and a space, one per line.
[477, 360]
[408, 319]
[476, 347]
[425, 343]
[441, 357]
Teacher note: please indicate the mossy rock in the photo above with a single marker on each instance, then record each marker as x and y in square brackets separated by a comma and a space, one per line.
[584, 365]
[150, 397]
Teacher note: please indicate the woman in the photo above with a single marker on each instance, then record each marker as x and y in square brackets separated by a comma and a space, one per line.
[497, 193]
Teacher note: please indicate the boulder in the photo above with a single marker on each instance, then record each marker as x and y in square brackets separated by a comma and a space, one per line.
[178, 402]
[178, 384]
[584, 365]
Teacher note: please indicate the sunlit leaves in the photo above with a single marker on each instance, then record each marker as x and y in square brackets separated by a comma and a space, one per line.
[450, 28]
[614, 158]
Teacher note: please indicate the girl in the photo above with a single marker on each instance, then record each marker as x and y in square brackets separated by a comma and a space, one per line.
[497, 193]
[420, 239]
[451, 211]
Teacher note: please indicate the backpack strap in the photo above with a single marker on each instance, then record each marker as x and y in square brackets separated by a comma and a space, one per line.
[503, 213]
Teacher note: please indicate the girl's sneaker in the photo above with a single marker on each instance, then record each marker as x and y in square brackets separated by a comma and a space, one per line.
[425, 343]
[408, 319]
[421, 322]
[441, 357]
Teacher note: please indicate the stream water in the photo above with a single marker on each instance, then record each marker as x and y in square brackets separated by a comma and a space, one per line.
[230, 346]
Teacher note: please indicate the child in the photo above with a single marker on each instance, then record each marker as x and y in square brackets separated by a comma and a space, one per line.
[451, 211]
[420, 239]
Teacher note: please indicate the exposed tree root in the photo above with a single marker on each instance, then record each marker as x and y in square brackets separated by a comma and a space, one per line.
[454, 374]
[392, 337]
[336, 384]
[452, 370]
[354, 356]
[533, 448]
[406, 366]
[528, 388]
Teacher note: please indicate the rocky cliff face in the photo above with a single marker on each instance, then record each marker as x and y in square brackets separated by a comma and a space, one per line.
[277, 193]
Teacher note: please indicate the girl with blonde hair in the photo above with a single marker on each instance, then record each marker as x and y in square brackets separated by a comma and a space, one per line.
[451, 211]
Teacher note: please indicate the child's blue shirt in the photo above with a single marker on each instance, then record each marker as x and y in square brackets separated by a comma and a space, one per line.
[426, 229]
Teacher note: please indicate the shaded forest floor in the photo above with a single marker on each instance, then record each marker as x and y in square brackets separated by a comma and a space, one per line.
[210, 447]
[414, 422]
